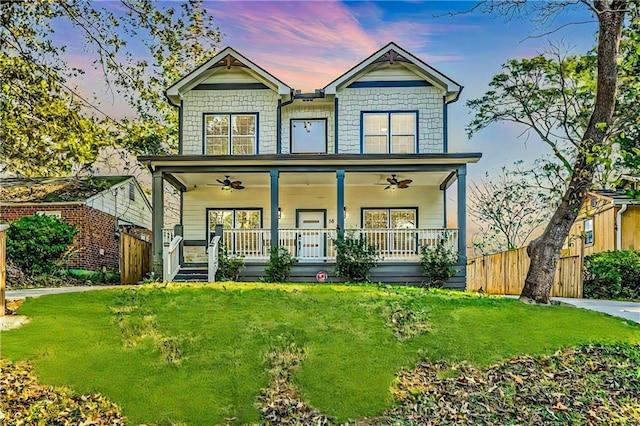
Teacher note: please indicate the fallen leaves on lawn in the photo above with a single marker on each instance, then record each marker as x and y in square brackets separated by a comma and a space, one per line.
[24, 401]
[281, 403]
[589, 385]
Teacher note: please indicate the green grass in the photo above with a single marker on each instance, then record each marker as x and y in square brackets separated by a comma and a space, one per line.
[222, 334]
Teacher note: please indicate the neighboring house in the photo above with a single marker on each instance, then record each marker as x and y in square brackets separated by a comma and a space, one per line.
[609, 220]
[99, 207]
[313, 164]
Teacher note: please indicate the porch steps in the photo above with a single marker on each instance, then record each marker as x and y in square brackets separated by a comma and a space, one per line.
[192, 274]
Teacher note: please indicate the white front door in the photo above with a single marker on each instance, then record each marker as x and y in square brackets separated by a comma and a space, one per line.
[311, 244]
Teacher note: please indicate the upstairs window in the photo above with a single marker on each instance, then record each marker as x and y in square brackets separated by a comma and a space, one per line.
[389, 132]
[230, 134]
[309, 136]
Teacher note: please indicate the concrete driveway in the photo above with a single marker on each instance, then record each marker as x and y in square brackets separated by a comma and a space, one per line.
[627, 310]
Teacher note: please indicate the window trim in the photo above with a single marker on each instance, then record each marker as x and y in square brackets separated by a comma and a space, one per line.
[230, 114]
[389, 134]
[326, 134]
[132, 191]
[234, 209]
[363, 209]
[593, 233]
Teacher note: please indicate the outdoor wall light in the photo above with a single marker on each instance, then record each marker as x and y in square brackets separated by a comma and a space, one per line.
[279, 213]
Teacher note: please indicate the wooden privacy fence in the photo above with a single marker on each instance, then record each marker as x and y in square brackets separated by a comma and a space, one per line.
[3, 268]
[505, 272]
[135, 259]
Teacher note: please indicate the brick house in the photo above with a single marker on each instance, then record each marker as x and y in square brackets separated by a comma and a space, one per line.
[273, 166]
[99, 207]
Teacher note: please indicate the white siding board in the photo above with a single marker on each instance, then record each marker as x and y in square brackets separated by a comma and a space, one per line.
[428, 200]
[135, 211]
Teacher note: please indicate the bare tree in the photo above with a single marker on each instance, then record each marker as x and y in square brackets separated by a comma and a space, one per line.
[510, 207]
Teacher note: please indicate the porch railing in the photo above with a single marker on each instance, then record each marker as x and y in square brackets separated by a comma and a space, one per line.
[393, 245]
[212, 259]
[171, 258]
[252, 244]
[308, 245]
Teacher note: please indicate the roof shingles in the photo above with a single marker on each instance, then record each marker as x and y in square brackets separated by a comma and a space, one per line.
[50, 190]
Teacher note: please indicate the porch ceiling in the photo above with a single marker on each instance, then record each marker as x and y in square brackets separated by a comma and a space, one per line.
[191, 180]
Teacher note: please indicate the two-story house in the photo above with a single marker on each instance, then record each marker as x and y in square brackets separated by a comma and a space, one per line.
[273, 166]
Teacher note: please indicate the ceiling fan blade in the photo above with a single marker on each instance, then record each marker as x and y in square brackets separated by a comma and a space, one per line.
[238, 187]
[403, 185]
[392, 181]
[236, 182]
[405, 182]
[388, 187]
[220, 181]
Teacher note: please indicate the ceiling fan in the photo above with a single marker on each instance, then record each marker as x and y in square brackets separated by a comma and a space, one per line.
[228, 185]
[395, 183]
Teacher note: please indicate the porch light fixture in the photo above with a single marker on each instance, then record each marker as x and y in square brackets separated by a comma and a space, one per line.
[279, 213]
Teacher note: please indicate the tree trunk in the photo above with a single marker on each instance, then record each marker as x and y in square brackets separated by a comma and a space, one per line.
[544, 251]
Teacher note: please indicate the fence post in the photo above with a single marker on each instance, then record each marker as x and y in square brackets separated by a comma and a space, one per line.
[3, 269]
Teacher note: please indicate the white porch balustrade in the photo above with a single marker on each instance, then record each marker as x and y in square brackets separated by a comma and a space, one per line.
[309, 245]
[171, 256]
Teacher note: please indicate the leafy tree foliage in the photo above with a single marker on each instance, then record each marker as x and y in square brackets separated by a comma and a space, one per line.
[139, 46]
[541, 96]
[36, 243]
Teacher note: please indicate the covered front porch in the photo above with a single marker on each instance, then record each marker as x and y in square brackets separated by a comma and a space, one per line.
[302, 204]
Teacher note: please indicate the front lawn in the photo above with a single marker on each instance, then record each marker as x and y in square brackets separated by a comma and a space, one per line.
[197, 354]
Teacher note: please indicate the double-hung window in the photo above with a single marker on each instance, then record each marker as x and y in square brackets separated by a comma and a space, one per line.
[241, 229]
[389, 132]
[230, 134]
[390, 229]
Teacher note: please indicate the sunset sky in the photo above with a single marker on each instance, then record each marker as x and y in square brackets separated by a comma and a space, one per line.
[307, 44]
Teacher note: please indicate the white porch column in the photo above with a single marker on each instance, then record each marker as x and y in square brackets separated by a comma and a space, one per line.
[157, 199]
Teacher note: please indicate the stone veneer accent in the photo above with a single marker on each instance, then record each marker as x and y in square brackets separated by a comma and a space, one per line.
[427, 100]
[199, 102]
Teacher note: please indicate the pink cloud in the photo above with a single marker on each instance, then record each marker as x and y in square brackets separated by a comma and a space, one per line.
[308, 44]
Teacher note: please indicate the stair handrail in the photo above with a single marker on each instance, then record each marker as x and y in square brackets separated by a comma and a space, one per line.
[171, 259]
[212, 259]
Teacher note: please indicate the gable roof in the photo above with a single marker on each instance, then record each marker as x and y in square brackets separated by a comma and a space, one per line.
[56, 189]
[393, 53]
[227, 57]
